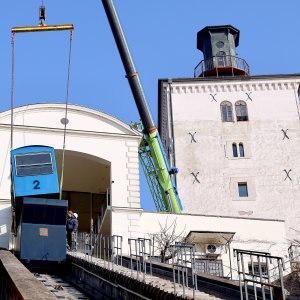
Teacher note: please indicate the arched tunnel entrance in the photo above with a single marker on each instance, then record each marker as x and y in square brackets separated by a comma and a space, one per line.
[86, 186]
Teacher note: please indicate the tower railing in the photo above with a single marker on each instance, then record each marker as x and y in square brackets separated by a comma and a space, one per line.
[222, 65]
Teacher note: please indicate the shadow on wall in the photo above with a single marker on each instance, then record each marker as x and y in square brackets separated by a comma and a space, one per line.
[4, 226]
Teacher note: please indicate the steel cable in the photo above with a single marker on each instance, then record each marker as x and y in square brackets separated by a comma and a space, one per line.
[66, 117]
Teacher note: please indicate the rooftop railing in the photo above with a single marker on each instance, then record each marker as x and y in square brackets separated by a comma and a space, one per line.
[222, 66]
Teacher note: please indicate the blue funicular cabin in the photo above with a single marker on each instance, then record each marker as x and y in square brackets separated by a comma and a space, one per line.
[39, 220]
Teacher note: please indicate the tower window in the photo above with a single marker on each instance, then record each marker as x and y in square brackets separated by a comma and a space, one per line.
[241, 111]
[226, 111]
[243, 189]
[234, 150]
[241, 150]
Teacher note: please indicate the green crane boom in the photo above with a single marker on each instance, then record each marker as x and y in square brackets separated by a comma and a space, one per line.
[156, 164]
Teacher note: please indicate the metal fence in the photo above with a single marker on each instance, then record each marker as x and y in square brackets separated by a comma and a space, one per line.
[255, 276]
[141, 252]
[183, 262]
[106, 248]
[219, 62]
[209, 266]
[260, 275]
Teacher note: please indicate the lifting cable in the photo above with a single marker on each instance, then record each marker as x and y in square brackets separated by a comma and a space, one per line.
[12, 89]
[13, 204]
[40, 28]
[66, 118]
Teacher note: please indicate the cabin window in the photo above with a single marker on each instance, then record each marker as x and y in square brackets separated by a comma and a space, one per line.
[31, 164]
[226, 111]
[241, 111]
[44, 214]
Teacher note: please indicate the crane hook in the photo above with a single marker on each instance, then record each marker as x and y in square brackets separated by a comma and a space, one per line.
[42, 15]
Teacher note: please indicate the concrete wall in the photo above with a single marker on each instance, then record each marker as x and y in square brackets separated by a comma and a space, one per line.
[17, 283]
[89, 133]
[4, 223]
[273, 107]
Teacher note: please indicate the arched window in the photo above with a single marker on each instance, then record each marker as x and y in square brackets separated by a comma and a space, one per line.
[241, 150]
[241, 111]
[234, 150]
[226, 111]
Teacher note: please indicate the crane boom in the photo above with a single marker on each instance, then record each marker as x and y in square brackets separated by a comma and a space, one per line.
[170, 198]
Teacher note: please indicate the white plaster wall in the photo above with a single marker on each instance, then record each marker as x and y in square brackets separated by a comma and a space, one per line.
[250, 234]
[126, 222]
[4, 223]
[80, 118]
[274, 106]
[108, 139]
[253, 234]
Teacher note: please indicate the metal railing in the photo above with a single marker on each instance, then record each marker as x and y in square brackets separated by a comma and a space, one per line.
[106, 248]
[219, 62]
[103, 209]
[140, 250]
[183, 261]
[254, 274]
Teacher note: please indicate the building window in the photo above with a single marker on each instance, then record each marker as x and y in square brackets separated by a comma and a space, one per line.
[258, 268]
[243, 189]
[241, 111]
[241, 150]
[226, 111]
[234, 150]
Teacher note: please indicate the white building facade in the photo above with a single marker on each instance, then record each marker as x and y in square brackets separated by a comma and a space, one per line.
[236, 143]
[101, 158]
[101, 178]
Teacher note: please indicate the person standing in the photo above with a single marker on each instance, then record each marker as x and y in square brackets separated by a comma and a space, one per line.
[69, 228]
[75, 230]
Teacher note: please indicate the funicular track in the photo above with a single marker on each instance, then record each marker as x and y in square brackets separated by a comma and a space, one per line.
[57, 285]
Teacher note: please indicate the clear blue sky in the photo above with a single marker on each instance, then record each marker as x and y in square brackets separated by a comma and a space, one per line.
[162, 38]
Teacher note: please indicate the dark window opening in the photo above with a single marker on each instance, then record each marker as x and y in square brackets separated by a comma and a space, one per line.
[243, 189]
[33, 164]
[221, 58]
[234, 150]
[258, 269]
[44, 214]
[241, 149]
[241, 111]
[226, 111]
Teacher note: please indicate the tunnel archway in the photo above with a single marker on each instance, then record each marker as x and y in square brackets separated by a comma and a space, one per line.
[86, 186]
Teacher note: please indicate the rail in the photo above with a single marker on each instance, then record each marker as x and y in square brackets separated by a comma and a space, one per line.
[219, 63]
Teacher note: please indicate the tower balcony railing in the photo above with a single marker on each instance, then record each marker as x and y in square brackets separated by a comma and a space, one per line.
[225, 65]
